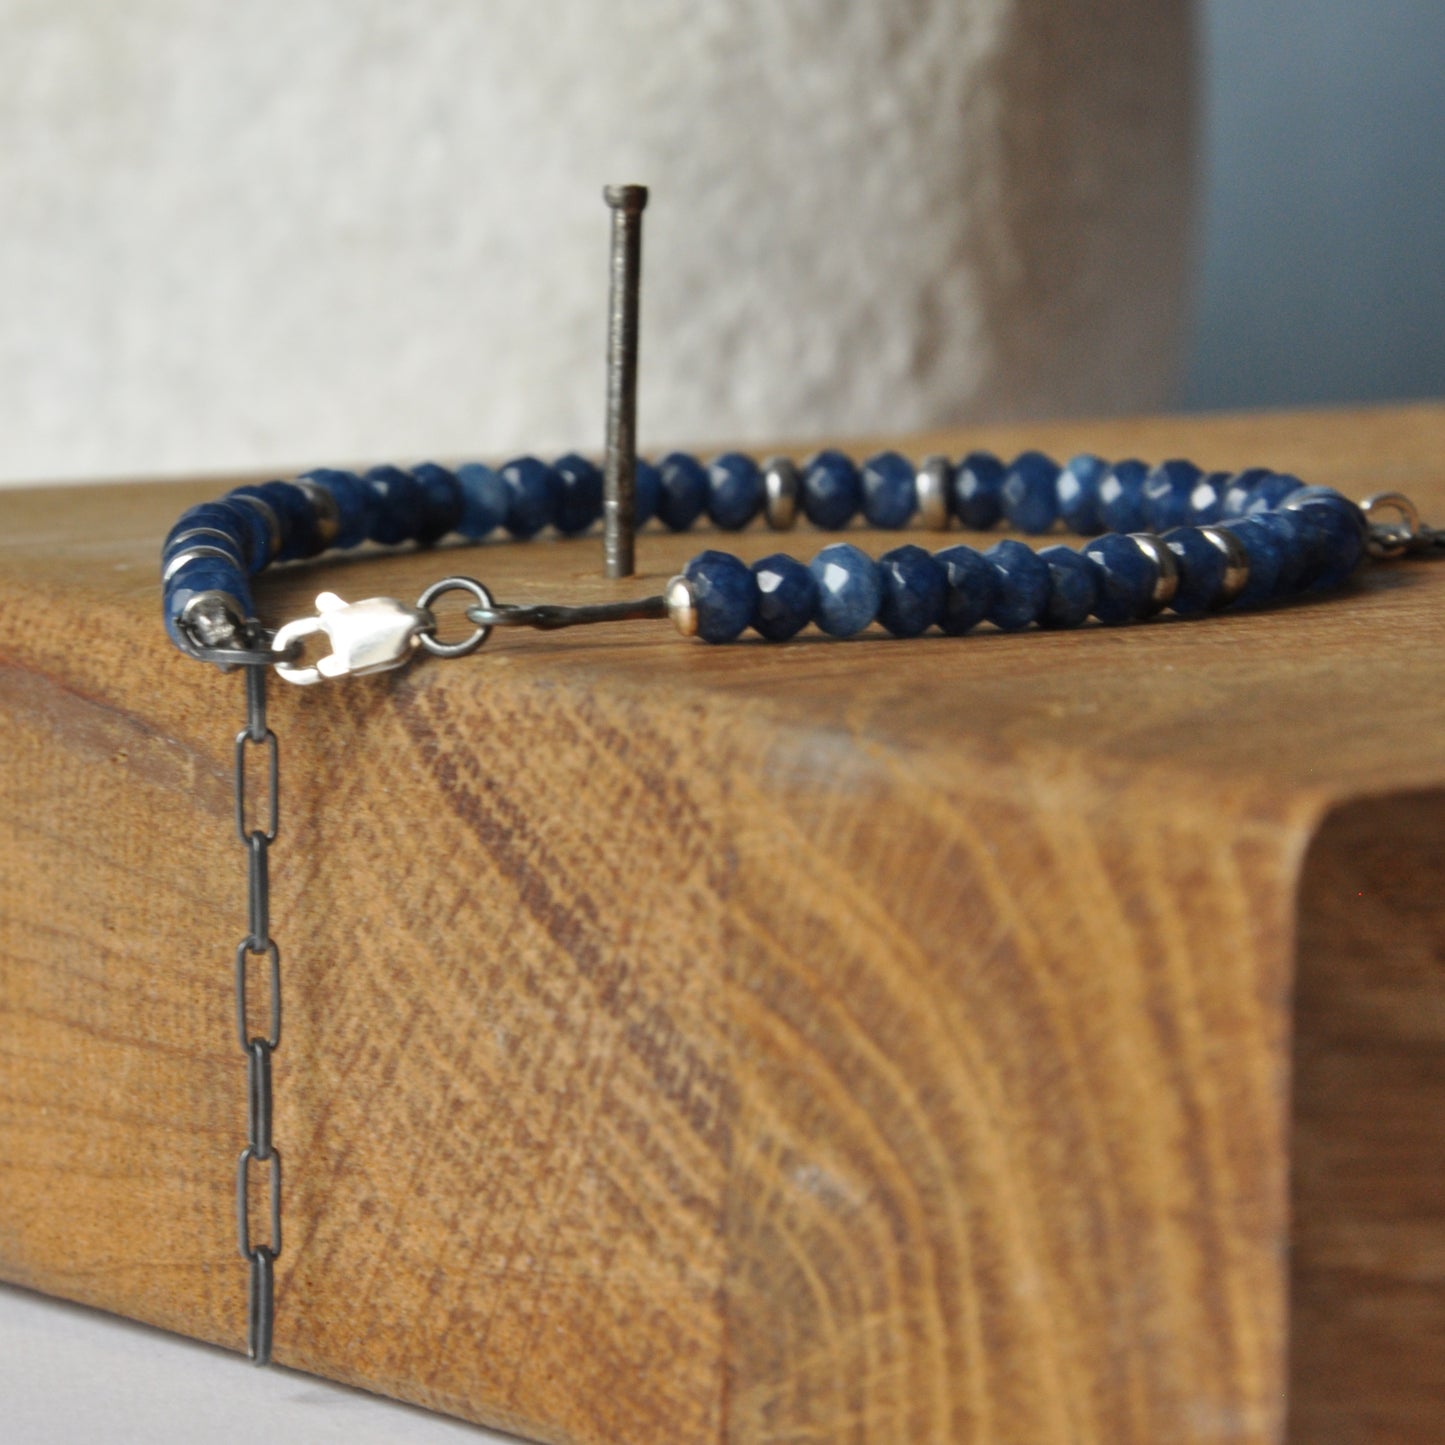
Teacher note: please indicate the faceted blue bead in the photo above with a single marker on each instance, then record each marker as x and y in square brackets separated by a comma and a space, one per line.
[914, 588]
[398, 504]
[579, 502]
[1023, 590]
[1073, 587]
[978, 491]
[441, 502]
[1293, 539]
[205, 574]
[849, 589]
[647, 486]
[229, 545]
[726, 594]
[683, 493]
[1334, 529]
[1201, 570]
[1030, 492]
[1207, 499]
[293, 509]
[355, 504]
[1167, 490]
[484, 500]
[971, 587]
[1121, 497]
[787, 597]
[1265, 556]
[1269, 492]
[890, 491]
[243, 524]
[1240, 492]
[533, 492]
[1078, 493]
[734, 491]
[1127, 576]
[832, 490]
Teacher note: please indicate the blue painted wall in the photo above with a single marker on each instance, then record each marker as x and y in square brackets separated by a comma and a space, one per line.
[1322, 260]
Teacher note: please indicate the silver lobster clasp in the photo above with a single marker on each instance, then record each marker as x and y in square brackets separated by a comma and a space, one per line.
[370, 636]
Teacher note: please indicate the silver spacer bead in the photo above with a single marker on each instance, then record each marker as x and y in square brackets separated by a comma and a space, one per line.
[201, 537]
[214, 619]
[1157, 550]
[682, 605]
[782, 492]
[1236, 563]
[192, 554]
[933, 483]
[273, 525]
[328, 514]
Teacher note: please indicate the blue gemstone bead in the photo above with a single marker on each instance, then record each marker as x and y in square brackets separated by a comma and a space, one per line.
[243, 524]
[484, 500]
[533, 492]
[890, 491]
[1030, 492]
[398, 504]
[1269, 492]
[787, 597]
[1078, 493]
[646, 488]
[1201, 570]
[233, 549]
[734, 491]
[205, 574]
[1293, 540]
[971, 584]
[441, 502]
[832, 490]
[1167, 492]
[1240, 492]
[1127, 576]
[849, 589]
[683, 493]
[978, 491]
[355, 504]
[1265, 557]
[1334, 530]
[1023, 588]
[726, 594]
[1121, 497]
[579, 499]
[293, 509]
[914, 588]
[1073, 587]
[1207, 499]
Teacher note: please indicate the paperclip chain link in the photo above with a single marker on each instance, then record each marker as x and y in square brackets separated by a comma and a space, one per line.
[260, 1148]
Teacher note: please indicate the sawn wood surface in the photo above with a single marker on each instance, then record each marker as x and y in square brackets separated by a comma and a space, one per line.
[1031, 1038]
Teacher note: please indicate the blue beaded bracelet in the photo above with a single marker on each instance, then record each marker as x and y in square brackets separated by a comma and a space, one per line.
[1171, 536]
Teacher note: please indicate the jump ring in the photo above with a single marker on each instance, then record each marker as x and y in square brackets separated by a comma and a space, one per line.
[467, 645]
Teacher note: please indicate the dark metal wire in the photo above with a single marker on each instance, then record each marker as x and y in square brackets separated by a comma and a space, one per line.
[548, 616]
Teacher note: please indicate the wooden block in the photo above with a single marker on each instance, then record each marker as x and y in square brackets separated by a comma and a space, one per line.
[865, 1042]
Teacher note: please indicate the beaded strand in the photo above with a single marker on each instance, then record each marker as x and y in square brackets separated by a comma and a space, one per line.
[1169, 536]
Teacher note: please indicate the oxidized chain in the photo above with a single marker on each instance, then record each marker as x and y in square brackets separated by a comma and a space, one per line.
[260, 1149]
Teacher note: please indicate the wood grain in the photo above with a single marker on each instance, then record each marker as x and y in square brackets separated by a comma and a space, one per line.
[863, 1042]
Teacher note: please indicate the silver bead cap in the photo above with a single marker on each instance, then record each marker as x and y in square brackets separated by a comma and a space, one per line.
[933, 483]
[1156, 549]
[1236, 563]
[682, 605]
[782, 492]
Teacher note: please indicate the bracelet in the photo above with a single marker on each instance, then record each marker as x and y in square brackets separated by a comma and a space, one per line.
[1171, 537]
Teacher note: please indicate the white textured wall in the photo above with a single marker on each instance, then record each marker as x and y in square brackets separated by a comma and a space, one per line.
[270, 232]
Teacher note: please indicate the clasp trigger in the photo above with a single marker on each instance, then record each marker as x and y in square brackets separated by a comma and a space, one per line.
[374, 635]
